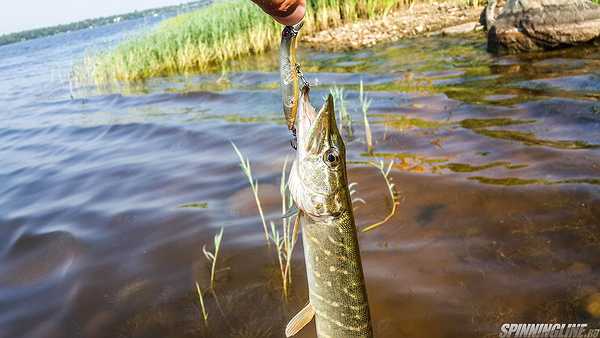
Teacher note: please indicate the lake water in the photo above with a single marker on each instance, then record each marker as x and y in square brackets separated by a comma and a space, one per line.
[496, 161]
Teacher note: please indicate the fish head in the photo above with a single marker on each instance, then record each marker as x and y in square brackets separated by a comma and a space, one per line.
[318, 179]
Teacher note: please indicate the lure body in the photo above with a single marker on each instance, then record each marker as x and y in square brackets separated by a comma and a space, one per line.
[290, 76]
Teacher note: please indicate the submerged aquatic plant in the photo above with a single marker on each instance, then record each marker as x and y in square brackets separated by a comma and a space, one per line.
[385, 172]
[245, 165]
[213, 256]
[364, 106]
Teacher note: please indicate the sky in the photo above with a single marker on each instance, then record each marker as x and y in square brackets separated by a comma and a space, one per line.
[19, 15]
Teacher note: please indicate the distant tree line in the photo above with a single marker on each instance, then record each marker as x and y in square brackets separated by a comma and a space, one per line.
[47, 31]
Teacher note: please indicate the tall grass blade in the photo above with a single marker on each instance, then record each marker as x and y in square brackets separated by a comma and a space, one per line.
[202, 307]
[385, 172]
[364, 105]
[247, 170]
[213, 256]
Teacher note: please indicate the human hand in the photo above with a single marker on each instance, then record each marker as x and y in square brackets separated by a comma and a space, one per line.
[286, 12]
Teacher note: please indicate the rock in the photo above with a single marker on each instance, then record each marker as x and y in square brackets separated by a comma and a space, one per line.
[490, 12]
[532, 25]
[462, 29]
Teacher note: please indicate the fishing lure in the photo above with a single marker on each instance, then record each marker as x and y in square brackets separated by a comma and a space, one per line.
[291, 77]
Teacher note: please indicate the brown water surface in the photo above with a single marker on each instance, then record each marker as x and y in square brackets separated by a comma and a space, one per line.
[496, 160]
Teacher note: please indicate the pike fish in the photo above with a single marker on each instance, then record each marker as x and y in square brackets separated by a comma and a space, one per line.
[319, 188]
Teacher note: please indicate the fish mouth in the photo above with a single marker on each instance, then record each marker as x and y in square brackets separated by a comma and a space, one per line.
[316, 130]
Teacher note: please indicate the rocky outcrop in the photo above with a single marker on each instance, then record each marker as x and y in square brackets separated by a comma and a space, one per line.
[531, 25]
[491, 12]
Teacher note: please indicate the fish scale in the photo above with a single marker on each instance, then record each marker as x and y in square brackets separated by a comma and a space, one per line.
[335, 277]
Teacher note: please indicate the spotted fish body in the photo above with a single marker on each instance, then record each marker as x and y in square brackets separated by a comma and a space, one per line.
[319, 187]
[289, 73]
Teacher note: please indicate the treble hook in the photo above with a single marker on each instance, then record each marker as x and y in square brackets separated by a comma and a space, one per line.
[294, 140]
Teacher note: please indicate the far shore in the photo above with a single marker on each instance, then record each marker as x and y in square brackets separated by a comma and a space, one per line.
[419, 19]
[206, 39]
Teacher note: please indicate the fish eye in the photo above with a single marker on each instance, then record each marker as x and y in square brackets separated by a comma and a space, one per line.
[331, 157]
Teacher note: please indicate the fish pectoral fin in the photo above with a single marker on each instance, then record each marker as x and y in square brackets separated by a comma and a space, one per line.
[300, 320]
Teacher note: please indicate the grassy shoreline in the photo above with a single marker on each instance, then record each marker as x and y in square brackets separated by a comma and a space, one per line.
[213, 35]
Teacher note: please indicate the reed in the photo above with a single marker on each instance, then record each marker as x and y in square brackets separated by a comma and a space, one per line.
[285, 240]
[213, 256]
[344, 117]
[202, 307]
[364, 106]
[290, 233]
[213, 35]
[385, 172]
[245, 165]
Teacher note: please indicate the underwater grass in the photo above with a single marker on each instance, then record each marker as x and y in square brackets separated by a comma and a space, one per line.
[212, 35]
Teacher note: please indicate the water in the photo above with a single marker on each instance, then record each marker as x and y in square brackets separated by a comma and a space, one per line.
[496, 160]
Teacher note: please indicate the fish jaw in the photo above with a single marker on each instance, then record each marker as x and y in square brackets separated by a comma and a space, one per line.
[318, 178]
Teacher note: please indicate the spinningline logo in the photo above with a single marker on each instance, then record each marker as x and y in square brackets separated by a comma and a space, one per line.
[548, 331]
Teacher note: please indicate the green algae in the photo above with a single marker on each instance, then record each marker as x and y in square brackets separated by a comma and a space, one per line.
[407, 156]
[250, 119]
[513, 181]
[595, 181]
[194, 205]
[411, 161]
[516, 166]
[467, 168]
[530, 139]
[507, 181]
[480, 126]
[404, 122]
[495, 122]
